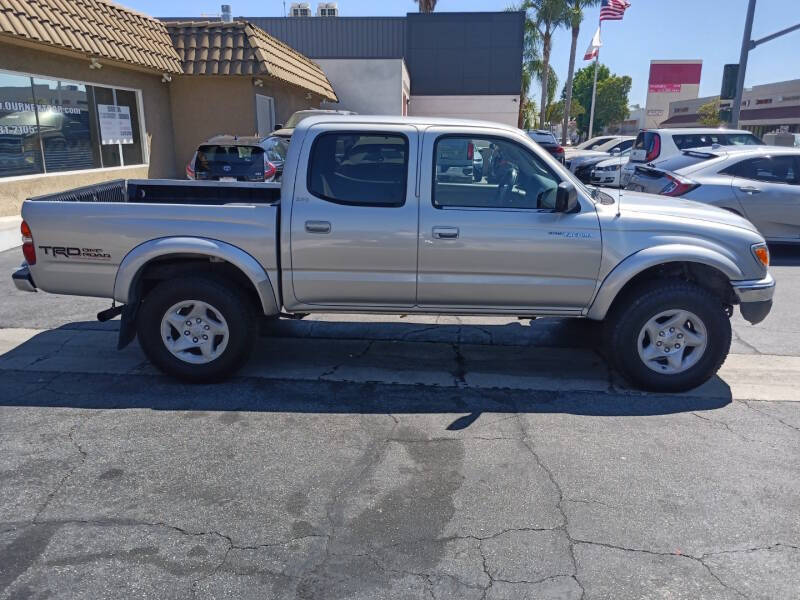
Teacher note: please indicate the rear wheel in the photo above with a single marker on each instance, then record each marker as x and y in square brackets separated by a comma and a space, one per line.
[196, 329]
[668, 336]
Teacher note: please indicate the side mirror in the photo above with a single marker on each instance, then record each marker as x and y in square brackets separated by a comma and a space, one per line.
[566, 197]
[279, 126]
[615, 151]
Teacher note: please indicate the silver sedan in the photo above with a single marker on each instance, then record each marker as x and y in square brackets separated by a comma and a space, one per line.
[761, 183]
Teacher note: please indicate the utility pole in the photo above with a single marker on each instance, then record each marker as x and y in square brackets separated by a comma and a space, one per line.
[749, 44]
[594, 97]
[736, 109]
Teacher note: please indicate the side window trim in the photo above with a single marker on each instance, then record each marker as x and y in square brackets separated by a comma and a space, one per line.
[434, 165]
[309, 167]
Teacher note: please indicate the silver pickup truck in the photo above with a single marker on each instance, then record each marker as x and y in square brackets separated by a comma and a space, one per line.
[362, 222]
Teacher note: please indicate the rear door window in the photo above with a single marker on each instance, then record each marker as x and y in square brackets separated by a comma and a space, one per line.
[770, 169]
[742, 139]
[361, 169]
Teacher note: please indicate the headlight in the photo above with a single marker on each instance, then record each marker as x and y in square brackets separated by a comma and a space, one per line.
[761, 252]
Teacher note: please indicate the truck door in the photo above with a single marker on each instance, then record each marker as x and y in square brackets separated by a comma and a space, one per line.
[495, 242]
[354, 217]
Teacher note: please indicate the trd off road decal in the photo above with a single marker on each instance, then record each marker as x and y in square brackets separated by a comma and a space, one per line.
[74, 252]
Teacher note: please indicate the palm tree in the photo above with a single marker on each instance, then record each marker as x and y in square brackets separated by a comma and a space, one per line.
[549, 16]
[426, 6]
[575, 8]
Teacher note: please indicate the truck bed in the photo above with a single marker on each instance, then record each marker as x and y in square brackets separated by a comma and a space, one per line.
[82, 236]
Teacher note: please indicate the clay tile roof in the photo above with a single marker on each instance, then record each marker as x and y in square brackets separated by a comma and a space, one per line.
[98, 28]
[240, 48]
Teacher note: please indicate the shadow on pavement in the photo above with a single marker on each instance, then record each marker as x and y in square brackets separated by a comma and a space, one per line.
[784, 255]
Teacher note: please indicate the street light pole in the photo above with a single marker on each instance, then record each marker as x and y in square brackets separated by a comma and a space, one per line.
[736, 109]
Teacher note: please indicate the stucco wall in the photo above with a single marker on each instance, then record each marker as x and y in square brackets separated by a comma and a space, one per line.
[204, 106]
[369, 86]
[157, 118]
[502, 109]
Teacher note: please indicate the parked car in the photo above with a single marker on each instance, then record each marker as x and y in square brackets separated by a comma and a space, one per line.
[547, 141]
[363, 223]
[285, 130]
[235, 158]
[590, 144]
[455, 161]
[761, 183]
[654, 145]
[583, 161]
[606, 173]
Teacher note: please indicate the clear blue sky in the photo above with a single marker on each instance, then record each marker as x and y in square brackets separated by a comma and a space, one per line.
[652, 29]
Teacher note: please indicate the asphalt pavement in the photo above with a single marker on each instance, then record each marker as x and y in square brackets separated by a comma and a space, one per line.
[394, 457]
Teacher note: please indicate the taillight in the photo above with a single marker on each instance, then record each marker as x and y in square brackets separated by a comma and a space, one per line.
[190, 173]
[28, 249]
[655, 149]
[559, 150]
[677, 185]
[470, 151]
[269, 169]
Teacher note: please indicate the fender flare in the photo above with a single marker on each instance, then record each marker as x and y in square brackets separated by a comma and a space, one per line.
[651, 257]
[131, 266]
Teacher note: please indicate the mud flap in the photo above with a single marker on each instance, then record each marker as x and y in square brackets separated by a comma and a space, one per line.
[127, 324]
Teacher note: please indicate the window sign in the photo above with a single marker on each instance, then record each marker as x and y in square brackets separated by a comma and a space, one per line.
[115, 124]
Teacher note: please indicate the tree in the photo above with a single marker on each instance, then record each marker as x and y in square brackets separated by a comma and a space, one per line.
[555, 112]
[575, 10]
[612, 96]
[426, 6]
[548, 15]
[709, 114]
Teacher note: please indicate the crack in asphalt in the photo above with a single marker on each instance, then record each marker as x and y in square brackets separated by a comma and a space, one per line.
[748, 404]
[747, 345]
[724, 424]
[356, 356]
[528, 443]
[698, 559]
[83, 454]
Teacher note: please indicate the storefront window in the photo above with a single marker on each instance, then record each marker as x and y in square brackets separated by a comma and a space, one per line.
[47, 126]
[65, 126]
[20, 149]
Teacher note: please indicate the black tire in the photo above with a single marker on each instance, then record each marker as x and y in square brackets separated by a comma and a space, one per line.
[630, 314]
[227, 299]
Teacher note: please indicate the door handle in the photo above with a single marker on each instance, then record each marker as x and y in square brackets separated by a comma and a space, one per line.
[445, 233]
[749, 189]
[318, 226]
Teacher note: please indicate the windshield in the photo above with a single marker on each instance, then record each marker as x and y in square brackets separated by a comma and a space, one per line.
[276, 149]
[300, 115]
[542, 137]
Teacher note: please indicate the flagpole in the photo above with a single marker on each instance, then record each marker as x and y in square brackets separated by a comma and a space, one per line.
[594, 88]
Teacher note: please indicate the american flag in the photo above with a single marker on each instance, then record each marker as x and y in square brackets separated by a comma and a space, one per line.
[613, 10]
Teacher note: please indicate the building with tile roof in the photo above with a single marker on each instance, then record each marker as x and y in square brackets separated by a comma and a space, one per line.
[92, 91]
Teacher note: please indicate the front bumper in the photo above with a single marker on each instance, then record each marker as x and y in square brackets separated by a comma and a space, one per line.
[23, 280]
[755, 297]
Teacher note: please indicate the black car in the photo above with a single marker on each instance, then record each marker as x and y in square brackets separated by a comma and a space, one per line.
[547, 141]
[239, 158]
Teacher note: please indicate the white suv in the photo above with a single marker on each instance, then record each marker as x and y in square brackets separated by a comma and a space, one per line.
[654, 145]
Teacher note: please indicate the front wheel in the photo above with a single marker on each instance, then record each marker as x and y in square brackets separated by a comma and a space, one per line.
[668, 336]
[196, 329]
